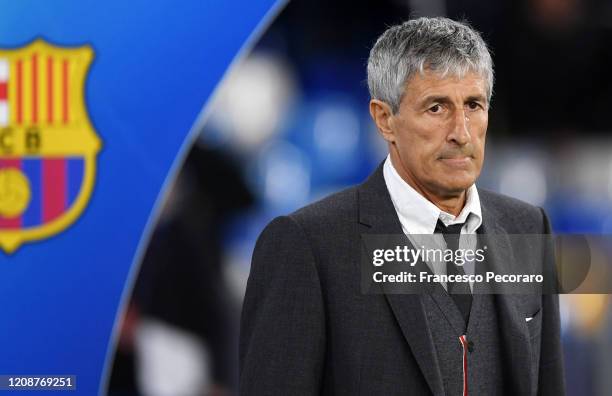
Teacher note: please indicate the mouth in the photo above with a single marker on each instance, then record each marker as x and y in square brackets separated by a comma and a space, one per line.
[457, 162]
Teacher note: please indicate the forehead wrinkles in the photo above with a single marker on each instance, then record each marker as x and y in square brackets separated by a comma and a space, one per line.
[429, 83]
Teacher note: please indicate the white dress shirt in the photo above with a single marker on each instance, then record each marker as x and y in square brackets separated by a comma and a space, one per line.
[419, 216]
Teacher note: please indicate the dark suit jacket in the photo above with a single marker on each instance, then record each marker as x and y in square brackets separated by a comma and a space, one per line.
[307, 328]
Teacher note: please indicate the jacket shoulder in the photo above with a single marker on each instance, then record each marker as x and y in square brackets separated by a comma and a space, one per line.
[517, 215]
[327, 215]
[310, 228]
[504, 202]
[333, 209]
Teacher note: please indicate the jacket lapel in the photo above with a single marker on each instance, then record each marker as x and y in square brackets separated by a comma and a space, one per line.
[378, 216]
[515, 335]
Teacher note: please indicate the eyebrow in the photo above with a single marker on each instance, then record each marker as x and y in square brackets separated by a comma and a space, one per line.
[476, 98]
[446, 99]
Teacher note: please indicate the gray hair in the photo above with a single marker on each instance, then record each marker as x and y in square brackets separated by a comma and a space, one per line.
[437, 44]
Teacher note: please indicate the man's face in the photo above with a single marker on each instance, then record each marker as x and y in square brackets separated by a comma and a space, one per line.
[438, 133]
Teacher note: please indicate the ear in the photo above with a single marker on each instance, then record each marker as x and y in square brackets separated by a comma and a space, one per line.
[381, 114]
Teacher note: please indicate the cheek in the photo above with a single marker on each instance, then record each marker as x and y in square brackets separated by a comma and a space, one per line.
[421, 151]
[427, 137]
[480, 125]
[479, 130]
[420, 141]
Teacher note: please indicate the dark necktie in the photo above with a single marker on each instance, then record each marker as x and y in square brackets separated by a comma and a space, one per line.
[459, 291]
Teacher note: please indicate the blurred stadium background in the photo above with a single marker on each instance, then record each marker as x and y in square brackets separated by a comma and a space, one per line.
[290, 124]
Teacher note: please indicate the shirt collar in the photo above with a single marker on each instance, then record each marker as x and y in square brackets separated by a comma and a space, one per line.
[418, 215]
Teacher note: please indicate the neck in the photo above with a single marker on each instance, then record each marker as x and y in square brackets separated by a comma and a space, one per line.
[449, 202]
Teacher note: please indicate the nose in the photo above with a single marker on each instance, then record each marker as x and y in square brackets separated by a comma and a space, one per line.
[459, 130]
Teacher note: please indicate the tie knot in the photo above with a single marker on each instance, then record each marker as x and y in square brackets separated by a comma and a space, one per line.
[451, 229]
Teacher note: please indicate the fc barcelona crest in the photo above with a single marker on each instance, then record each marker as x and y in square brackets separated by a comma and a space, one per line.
[48, 146]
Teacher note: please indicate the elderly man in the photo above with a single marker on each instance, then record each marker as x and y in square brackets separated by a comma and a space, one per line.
[307, 327]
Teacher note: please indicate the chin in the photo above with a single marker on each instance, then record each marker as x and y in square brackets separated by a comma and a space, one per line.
[457, 185]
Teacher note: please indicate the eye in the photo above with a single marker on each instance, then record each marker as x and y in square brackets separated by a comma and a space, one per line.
[473, 105]
[435, 109]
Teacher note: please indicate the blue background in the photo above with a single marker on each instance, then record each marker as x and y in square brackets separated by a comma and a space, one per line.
[156, 64]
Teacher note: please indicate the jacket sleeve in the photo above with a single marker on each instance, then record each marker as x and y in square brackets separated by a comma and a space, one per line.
[551, 379]
[282, 331]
